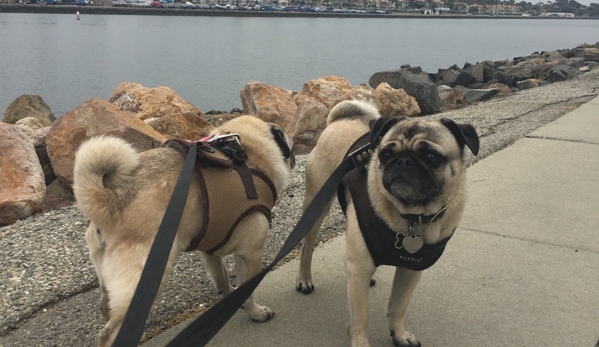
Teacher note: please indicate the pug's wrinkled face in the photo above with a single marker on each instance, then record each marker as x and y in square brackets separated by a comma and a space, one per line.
[419, 161]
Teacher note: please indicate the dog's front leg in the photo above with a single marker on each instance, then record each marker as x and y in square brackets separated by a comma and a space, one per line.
[404, 283]
[359, 268]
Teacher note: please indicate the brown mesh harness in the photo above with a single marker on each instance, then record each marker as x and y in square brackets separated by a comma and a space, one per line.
[230, 190]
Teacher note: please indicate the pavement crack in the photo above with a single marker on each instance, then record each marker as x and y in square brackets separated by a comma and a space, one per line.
[577, 98]
[576, 249]
[559, 139]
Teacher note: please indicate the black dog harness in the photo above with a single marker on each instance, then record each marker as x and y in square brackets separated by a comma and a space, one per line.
[384, 244]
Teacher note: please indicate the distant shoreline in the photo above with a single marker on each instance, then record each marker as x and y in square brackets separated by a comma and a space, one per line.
[71, 9]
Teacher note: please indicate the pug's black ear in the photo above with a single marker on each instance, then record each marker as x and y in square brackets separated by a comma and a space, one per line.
[380, 128]
[465, 134]
[279, 136]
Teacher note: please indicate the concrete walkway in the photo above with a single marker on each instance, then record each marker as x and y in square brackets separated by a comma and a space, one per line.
[522, 270]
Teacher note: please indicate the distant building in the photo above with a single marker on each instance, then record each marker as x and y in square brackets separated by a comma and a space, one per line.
[558, 14]
[442, 10]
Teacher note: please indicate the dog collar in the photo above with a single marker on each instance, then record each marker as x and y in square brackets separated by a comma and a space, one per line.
[414, 219]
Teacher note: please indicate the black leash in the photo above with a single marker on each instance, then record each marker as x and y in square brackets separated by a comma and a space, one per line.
[207, 325]
[149, 283]
[203, 329]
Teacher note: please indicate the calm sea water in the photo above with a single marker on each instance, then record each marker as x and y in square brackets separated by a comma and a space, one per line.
[208, 60]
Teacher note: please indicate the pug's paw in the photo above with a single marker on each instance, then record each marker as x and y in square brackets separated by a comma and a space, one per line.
[304, 285]
[404, 340]
[261, 314]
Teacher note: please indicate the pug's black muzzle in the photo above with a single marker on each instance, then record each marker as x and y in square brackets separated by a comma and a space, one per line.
[410, 179]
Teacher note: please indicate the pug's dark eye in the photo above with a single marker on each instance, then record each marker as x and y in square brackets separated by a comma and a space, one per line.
[432, 158]
[385, 155]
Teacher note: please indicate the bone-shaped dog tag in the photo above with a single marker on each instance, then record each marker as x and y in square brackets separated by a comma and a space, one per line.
[412, 243]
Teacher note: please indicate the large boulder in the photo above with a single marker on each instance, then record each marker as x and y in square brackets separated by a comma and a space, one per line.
[22, 186]
[490, 74]
[29, 106]
[163, 109]
[451, 97]
[393, 102]
[471, 74]
[92, 118]
[417, 85]
[526, 69]
[503, 89]
[269, 103]
[561, 73]
[475, 95]
[450, 76]
[476, 71]
[360, 92]
[421, 88]
[326, 89]
[389, 101]
[587, 51]
[31, 122]
[311, 117]
[527, 84]
[37, 135]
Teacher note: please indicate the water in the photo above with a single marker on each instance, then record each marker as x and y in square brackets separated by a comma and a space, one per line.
[208, 60]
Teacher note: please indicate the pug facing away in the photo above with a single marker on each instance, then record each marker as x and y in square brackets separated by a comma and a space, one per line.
[402, 203]
[125, 195]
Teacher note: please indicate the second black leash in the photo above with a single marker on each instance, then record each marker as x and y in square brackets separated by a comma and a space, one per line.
[207, 325]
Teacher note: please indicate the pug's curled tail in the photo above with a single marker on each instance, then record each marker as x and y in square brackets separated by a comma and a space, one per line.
[353, 109]
[103, 166]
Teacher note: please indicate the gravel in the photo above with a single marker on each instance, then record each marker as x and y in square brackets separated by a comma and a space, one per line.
[48, 287]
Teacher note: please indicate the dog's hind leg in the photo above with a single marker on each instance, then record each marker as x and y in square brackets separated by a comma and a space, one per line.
[404, 283]
[218, 273]
[246, 266]
[303, 282]
[96, 245]
[121, 270]
[247, 245]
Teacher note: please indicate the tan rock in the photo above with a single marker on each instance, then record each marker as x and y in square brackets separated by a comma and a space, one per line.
[361, 92]
[92, 118]
[451, 97]
[269, 103]
[393, 102]
[526, 69]
[503, 89]
[527, 84]
[327, 89]
[311, 120]
[31, 122]
[163, 109]
[29, 106]
[38, 138]
[389, 101]
[22, 186]
[589, 53]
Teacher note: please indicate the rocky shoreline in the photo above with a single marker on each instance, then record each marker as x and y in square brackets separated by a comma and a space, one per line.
[48, 288]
